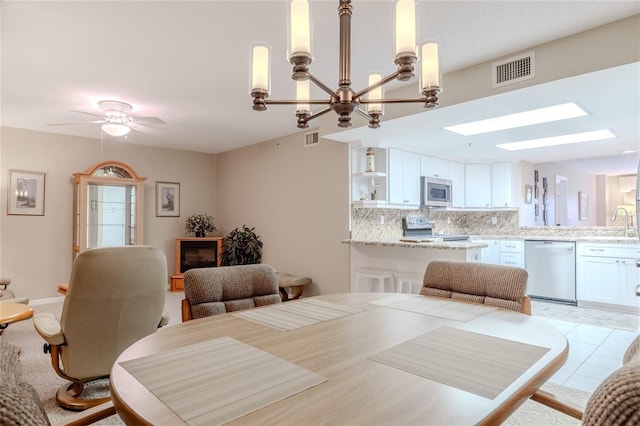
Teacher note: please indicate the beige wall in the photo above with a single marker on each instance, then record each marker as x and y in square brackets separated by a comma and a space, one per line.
[36, 251]
[297, 199]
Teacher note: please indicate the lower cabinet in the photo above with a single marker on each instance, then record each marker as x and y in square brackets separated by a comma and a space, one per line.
[503, 252]
[512, 253]
[489, 254]
[607, 273]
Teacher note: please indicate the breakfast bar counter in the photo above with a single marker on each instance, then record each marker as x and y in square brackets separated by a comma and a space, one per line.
[396, 256]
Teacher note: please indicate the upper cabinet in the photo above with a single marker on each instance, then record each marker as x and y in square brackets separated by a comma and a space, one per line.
[456, 172]
[491, 185]
[477, 182]
[107, 207]
[368, 176]
[503, 185]
[434, 167]
[404, 178]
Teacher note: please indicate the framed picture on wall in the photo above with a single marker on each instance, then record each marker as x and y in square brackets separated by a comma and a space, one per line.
[167, 199]
[528, 194]
[583, 206]
[25, 193]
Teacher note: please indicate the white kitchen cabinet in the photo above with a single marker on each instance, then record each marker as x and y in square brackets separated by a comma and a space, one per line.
[503, 252]
[511, 253]
[434, 167]
[490, 254]
[404, 178]
[606, 274]
[456, 174]
[364, 183]
[503, 185]
[477, 183]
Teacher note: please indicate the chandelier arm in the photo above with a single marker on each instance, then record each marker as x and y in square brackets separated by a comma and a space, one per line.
[363, 113]
[377, 84]
[318, 114]
[295, 102]
[321, 85]
[390, 101]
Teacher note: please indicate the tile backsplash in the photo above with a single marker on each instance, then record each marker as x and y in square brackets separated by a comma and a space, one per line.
[377, 223]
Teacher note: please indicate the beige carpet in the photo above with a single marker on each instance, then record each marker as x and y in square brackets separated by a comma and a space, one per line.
[38, 371]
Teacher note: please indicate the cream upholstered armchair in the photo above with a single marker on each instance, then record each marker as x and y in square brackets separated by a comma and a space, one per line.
[213, 291]
[116, 296]
[495, 285]
[7, 296]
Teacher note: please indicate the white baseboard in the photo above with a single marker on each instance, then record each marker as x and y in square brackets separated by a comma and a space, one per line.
[46, 301]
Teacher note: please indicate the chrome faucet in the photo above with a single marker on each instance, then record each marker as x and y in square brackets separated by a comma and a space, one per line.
[626, 219]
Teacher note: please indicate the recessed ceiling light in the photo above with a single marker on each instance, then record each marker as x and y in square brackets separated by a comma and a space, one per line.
[521, 119]
[558, 140]
[628, 151]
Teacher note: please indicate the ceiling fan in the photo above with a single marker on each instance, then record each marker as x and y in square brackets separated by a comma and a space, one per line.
[117, 119]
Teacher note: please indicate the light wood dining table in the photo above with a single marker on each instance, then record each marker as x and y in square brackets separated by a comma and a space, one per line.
[464, 363]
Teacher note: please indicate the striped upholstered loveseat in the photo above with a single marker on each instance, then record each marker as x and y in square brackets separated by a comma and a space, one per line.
[214, 291]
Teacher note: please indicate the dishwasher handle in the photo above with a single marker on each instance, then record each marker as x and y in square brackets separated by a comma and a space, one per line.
[552, 245]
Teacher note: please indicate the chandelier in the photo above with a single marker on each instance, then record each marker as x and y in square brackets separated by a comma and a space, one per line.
[345, 100]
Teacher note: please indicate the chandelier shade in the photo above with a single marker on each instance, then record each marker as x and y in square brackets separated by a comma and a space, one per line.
[344, 100]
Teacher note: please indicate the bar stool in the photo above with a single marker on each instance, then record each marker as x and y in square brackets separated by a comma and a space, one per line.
[409, 278]
[377, 276]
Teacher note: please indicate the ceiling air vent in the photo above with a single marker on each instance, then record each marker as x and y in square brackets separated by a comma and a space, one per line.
[311, 139]
[514, 69]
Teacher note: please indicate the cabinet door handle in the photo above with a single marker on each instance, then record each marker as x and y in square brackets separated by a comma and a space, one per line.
[596, 249]
[405, 201]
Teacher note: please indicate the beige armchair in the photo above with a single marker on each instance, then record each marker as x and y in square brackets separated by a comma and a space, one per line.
[7, 296]
[213, 291]
[495, 285]
[116, 296]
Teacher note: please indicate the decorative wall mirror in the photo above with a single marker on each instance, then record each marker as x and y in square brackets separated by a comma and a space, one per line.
[108, 207]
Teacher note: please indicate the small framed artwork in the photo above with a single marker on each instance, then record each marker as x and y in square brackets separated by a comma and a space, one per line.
[583, 206]
[167, 199]
[25, 194]
[528, 194]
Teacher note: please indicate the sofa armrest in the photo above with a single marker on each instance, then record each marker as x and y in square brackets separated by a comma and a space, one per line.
[49, 328]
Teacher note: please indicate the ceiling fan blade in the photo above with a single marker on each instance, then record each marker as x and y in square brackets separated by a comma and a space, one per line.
[149, 120]
[87, 113]
[75, 123]
[137, 127]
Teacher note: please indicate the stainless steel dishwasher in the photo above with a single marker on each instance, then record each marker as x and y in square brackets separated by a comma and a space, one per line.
[552, 270]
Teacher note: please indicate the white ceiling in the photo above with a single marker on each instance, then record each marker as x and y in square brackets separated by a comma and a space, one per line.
[188, 63]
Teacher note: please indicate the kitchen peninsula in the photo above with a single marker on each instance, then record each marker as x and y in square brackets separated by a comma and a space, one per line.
[401, 256]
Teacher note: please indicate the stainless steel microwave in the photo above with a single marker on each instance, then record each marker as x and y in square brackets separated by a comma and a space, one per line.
[435, 192]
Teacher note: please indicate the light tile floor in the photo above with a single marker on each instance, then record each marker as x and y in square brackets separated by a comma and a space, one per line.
[597, 341]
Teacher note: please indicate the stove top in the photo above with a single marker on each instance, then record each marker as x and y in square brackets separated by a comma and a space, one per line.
[420, 227]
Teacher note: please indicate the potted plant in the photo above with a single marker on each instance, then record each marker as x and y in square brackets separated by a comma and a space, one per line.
[201, 224]
[241, 247]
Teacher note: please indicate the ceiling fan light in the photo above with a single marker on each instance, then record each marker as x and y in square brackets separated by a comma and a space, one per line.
[115, 129]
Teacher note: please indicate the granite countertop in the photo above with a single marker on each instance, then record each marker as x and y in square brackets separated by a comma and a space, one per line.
[473, 242]
[437, 244]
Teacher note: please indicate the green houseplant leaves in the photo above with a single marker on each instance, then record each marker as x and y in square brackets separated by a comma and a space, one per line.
[241, 247]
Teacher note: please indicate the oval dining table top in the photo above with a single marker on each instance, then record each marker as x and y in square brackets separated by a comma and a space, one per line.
[372, 358]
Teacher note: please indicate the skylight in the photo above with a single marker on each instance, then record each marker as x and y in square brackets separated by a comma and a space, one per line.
[558, 140]
[521, 119]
